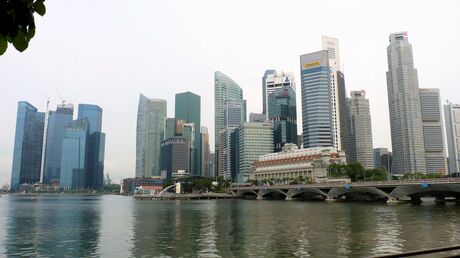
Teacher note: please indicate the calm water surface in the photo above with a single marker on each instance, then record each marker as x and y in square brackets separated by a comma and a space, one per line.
[117, 226]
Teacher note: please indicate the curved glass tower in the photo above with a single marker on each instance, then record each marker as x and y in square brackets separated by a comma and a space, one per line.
[224, 89]
[151, 116]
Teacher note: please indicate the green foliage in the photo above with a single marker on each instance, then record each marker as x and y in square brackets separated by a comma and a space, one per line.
[196, 184]
[112, 188]
[17, 24]
[356, 172]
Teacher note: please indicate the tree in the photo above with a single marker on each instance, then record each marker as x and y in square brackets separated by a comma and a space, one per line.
[17, 24]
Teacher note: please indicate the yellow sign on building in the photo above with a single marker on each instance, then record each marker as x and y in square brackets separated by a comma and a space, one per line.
[311, 64]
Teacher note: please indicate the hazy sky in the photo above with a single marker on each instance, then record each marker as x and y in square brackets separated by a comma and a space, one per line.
[106, 52]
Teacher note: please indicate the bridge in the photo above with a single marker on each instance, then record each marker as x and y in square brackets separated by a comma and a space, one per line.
[445, 189]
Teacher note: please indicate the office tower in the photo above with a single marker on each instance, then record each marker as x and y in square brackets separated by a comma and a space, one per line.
[205, 152]
[382, 159]
[433, 131]
[212, 160]
[299, 141]
[254, 140]
[28, 144]
[151, 116]
[188, 108]
[257, 118]
[96, 145]
[233, 117]
[282, 113]
[57, 122]
[268, 74]
[74, 161]
[170, 128]
[316, 101]
[360, 144]
[175, 156]
[337, 93]
[452, 116]
[404, 105]
[224, 89]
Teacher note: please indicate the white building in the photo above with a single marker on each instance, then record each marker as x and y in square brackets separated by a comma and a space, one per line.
[452, 116]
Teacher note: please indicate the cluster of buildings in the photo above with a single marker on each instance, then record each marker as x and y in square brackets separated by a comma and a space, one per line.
[336, 125]
[52, 150]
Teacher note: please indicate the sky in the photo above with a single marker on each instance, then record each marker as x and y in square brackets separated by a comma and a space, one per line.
[107, 52]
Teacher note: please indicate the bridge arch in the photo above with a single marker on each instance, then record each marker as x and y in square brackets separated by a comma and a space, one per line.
[433, 190]
[276, 192]
[246, 193]
[338, 192]
[294, 193]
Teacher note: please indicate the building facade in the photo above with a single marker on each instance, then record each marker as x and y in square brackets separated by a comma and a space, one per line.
[151, 116]
[205, 152]
[404, 104]
[382, 159]
[254, 140]
[74, 157]
[271, 81]
[188, 108]
[433, 131]
[360, 135]
[452, 117]
[175, 156]
[224, 89]
[292, 163]
[28, 145]
[257, 118]
[316, 100]
[57, 122]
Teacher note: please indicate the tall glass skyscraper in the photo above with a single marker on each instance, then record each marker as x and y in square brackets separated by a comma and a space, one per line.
[404, 103]
[96, 145]
[452, 116]
[151, 116]
[205, 171]
[316, 100]
[28, 144]
[282, 113]
[188, 108]
[360, 147]
[224, 89]
[74, 162]
[57, 122]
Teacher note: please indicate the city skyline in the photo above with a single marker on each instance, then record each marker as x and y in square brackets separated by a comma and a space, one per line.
[120, 161]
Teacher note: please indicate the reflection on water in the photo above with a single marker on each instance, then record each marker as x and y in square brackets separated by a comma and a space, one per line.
[117, 226]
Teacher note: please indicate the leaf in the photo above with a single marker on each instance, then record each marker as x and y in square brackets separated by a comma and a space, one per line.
[39, 7]
[31, 32]
[3, 45]
[20, 42]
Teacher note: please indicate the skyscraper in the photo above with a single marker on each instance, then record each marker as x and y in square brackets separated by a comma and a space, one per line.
[175, 154]
[268, 74]
[360, 144]
[316, 100]
[224, 89]
[337, 93]
[188, 108]
[282, 113]
[28, 144]
[272, 81]
[74, 157]
[233, 117]
[96, 145]
[382, 159]
[433, 131]
[205, 152]
[151, 116]
[170, 128]
[404, 105]
[257, 118]
[452, 116]
[57, 122]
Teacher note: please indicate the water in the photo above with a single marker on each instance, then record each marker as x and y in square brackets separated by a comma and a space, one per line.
[118, 226]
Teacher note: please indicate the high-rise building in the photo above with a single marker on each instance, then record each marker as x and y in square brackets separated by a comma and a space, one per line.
[316, 100]
[188, 108]
[360, 143]
[382, 159]
[175, 156]
[212, 160]
[254, 140]
[74, 157]
[151, 116]
[452, 116]
[205, 152]
[224, 89]
[433, 131]
[233, 117]
[28, 144]
[57, 122]
[404, 104]
[283, 115]
[272, 81]
[257, 118]
[268, 74]
[170, 128]
[337, 93]
[96, 145]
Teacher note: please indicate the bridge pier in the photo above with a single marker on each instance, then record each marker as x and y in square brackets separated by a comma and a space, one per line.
[440, 199]
[415, 199]
[330, 199]
[393, 200]
[288, 198]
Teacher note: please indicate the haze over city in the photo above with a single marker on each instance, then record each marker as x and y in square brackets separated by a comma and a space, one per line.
[160, 49]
